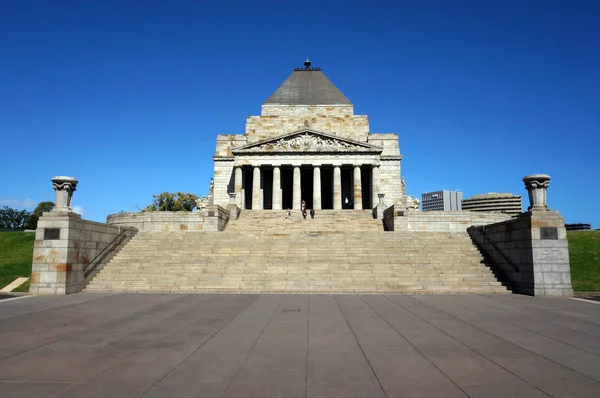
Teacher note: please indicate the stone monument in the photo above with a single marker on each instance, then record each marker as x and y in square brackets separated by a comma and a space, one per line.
[307, 144]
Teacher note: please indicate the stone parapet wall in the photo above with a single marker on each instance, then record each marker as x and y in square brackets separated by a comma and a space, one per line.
[225, 142]
[389, 177]
[159, 220]
[64, 245]
[531, 252]
[389, 142]
[216, 218]
[211, 218]
[443, 221]
[224, 181]
[278, 120]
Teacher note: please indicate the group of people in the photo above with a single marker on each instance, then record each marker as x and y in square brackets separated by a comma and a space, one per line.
[304, 214]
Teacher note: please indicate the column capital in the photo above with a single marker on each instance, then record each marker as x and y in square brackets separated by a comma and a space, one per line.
[64, 187]
[537, 185]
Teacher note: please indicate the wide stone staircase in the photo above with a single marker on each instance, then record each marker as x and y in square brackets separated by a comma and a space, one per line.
[337, 252]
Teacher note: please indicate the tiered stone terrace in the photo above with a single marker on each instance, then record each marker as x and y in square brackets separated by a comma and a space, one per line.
[262, 251]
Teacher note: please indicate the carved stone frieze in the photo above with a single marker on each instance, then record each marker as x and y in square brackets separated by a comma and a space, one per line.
[308, 142]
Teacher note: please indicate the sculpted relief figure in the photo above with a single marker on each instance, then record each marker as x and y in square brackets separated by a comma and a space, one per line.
[308, 142]
[202, 202]
[412, 203]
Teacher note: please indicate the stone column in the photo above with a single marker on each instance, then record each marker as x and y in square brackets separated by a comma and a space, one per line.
[296, 189]
[256, 192]
[337, 188]
[317, 188]
[375, 186]
[537, 185]
[237, 187]
[357, 189]
[277, 200]
[64, 187]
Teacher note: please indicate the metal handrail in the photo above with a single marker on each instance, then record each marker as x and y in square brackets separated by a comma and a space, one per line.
[91, 267]
[485, 237]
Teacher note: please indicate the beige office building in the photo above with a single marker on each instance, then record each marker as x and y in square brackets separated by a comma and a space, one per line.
[495, 202]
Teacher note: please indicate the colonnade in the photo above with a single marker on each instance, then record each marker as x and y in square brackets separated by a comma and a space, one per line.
[257, 199]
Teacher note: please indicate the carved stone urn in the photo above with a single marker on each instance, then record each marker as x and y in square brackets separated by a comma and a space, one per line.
[64, 187]
[537, 185]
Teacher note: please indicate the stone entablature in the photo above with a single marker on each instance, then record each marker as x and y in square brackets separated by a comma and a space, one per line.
[301, 160]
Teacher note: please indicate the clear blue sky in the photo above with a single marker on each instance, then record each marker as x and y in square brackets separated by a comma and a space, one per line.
[128, 96]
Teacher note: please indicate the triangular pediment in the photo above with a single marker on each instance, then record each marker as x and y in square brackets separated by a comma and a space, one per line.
[307, 140]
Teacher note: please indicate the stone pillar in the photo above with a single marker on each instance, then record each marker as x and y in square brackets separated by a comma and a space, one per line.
[380, 207]
[297, 188]
[256, 191]
[237, 187]
[375, 186]
[317, 188]
[277, 199]
[357, 189]
[337, 188]
[537, 185]
[64, 187]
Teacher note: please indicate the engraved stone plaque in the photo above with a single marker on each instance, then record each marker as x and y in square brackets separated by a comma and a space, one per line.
[51, 233]
[548, 233]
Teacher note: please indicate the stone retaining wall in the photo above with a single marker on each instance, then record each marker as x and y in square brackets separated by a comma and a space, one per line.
[159, 220]
[443, 221]
[64, 245]
[531, 252]
[213, 218]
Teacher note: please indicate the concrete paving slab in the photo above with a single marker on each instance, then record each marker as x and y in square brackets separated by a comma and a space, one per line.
[185, 345]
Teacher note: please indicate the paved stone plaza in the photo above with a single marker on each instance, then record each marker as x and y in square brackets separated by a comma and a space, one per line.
[176, 345]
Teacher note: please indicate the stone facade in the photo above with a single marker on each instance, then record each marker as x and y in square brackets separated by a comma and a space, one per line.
[309, 147]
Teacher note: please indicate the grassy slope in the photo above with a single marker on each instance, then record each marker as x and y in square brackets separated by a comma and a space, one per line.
[584, 254]
[16, 252]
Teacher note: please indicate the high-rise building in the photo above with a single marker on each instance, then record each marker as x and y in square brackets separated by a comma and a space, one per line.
[441, 200]
[495, 202]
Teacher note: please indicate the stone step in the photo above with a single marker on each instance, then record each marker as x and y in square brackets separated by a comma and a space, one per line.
[338, 252]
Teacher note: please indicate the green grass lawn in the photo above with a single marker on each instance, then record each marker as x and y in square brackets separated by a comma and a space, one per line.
[16, 252]
[584, 254]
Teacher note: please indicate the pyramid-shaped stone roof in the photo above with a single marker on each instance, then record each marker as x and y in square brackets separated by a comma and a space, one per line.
[307, 86]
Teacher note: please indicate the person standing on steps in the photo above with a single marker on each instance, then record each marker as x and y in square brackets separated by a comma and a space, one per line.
[312, 213]
[288, 215]
[303, 209]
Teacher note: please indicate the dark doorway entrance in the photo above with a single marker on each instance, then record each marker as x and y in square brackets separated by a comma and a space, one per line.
[287, 186]
[347, 188]
[366, 186]
[248, 179]
[326, 188]
[306, 182]
[267, 182]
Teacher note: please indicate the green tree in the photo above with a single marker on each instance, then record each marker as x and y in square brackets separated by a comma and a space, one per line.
[12, 218]
[37, 213]
[168, 201]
